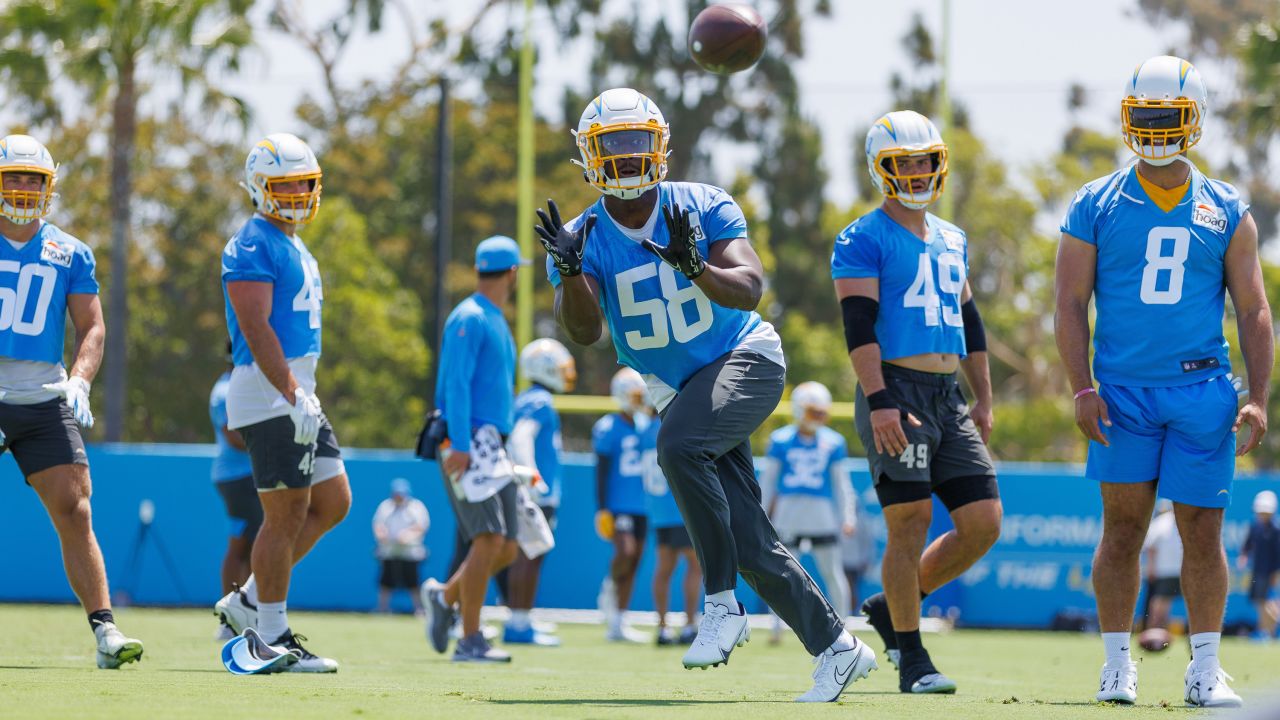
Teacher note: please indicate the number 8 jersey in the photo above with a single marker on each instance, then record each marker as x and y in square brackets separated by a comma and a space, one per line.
[663, 325]
[34, 283]
[921, 281]
[1160, 279]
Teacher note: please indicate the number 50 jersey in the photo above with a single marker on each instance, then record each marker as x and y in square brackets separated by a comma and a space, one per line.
[1160, 279]
[661, 323]
[34, 283]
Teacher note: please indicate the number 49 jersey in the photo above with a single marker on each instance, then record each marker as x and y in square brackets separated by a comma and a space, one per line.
[34, 284]
[1160, 280]
[260, 252]
[921, 281]
[661, 323]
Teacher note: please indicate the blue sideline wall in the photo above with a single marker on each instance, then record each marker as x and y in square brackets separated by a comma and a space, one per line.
[1039, 567]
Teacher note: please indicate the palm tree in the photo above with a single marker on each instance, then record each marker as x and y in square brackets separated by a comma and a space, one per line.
[114, 49]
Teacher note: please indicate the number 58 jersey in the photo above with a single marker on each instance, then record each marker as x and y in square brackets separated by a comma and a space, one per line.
[1160, 281]
[661, 323]
[34, 283]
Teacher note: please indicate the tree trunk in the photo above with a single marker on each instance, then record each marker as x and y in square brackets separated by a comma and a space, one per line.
[123, 135]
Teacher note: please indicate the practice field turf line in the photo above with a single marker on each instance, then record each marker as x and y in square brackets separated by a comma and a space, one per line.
[47, 671]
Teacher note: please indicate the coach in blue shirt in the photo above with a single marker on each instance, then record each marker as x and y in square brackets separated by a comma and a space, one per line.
[475, 391]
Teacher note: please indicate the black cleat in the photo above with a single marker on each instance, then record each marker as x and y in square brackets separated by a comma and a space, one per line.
[876, 608]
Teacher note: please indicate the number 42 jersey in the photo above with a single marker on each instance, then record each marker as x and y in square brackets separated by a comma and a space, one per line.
[1160, 280]
[34, 283]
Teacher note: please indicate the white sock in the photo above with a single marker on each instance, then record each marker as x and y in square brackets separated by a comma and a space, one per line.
[1204, 646]
[519, 619]
[250, 589]
[842, 643]
[273, 620]
[726, 598]
[1117, 647]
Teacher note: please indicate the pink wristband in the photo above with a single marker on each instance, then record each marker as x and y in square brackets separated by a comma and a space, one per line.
[1084, 392]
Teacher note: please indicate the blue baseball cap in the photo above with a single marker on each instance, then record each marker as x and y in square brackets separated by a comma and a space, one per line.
[400, 486]
[498, 253]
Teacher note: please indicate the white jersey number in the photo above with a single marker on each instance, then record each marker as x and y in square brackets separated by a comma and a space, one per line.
[921, 294]
[1157, 262]
[13, 301]
[630, 462]
[655, 483]
[667, 313]
[310, 294]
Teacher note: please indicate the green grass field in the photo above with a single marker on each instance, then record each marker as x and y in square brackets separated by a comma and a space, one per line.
[47, 670]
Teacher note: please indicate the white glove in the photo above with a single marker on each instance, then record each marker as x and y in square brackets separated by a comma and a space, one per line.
[75, 390]
[306, 415]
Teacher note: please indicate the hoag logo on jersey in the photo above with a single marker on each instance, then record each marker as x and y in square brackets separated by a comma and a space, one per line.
[953, 240]
[1206, 215]
[55, 253]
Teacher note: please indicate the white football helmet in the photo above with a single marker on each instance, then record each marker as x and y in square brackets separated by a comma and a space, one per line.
[279, 158]
[811, 405]
[1163, 109]
[628, 389]
[26, 155]
[548, 363]
[901, 134]
[622, 124]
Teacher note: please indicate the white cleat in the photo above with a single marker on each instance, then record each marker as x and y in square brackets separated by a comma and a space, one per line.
[934, 684]
[720, 632]
[235, 611]
[1119, 683]
[114, 649]
[1206, 686]
[838, 669]
[627, 634]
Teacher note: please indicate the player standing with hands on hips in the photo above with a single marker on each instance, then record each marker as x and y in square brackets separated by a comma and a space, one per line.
[1157, 245]
[910, 322]
[44, 275]
[669, 268]
[273, 306]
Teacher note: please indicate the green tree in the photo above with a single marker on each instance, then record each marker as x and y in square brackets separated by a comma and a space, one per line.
[103, 47]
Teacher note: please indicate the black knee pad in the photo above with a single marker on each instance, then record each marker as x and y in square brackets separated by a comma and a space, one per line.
[897, 493]
[958, 492]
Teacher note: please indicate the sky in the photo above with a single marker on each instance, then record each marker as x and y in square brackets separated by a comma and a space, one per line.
[1013, 61]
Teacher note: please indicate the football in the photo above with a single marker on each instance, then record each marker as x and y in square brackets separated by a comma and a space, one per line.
[727, 38]
[1154, 639]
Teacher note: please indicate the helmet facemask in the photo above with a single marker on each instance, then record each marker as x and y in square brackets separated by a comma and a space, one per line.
[22, 207]
[812, 418]
[298, 208]
[896, 182]
[624, 160]
[1159, 131]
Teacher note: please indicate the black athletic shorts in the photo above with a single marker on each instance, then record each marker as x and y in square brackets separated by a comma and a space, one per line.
[279, 462]
[244, 510]
[947, 445]
[42, 435]
[1170, 587]
[675, 536]
[1260, 586]
[630, 524]
[399, 574]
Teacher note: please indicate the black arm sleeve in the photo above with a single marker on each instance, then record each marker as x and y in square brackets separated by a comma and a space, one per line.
[602, 480]
[860, 314]
[975, 335]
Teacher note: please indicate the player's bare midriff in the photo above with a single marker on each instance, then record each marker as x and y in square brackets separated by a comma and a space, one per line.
[940, 363]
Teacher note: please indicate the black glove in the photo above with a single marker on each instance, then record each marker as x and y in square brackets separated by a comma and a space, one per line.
[564, 246]
[681, 251]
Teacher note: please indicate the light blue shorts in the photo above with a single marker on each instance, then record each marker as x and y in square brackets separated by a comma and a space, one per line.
[1180, 436]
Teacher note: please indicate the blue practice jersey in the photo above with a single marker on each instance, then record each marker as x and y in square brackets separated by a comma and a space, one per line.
[661, 323]
[230, 463]
[1161, 280]
[806, 461]
[535, 404]
[660, 504]
[260, 252]
[475, 384]
[921, 282]
[34, 284]
[619, 441]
